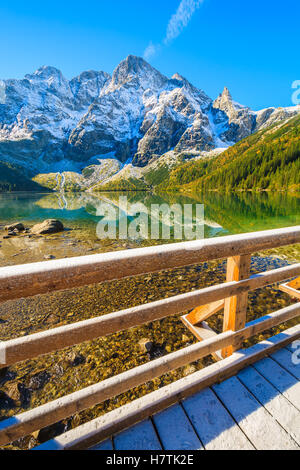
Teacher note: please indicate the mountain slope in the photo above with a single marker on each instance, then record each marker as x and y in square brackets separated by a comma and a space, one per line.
[49, 124]
[267, 160]
[13, 179]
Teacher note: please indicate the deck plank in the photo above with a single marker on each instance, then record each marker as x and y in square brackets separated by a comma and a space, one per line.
[286, 383]
[278, 406]
[258, 425]
[106, 445]
[215, 427]
[284, 357]
[139, 437]
[175, 430]
[293, 346]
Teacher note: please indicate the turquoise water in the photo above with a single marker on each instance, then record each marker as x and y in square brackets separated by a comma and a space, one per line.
[224, 214]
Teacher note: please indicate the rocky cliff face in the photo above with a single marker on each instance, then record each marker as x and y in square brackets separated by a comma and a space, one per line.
[48, 123]
[39, 113]
[236, 120]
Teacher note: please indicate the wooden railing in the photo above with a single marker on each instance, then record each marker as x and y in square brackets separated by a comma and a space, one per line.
[40, 278]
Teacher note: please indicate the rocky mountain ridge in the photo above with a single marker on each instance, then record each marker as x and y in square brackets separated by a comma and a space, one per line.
[50, 124]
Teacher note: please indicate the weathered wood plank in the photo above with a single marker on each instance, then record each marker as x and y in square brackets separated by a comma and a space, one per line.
[292, 288]
[235, 308]
[202, 332]
[106, 445]
[204, 312]
[277, 405]
[258, 425]
[50, 413]
[293, 346]
[20, 349]
[49, 276]
[295, 284]
[214, 425]
[285, 383]
[289, 290]
[140, 437]
[175, 430]
[285, 359]
[101, 428]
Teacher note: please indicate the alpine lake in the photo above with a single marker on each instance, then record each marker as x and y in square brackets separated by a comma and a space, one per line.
[35, 382]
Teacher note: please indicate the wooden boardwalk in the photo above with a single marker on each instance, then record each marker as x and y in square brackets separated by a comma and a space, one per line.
[249, 398]
[259, 408]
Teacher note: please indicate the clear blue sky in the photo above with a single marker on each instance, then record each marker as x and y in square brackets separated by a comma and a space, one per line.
[252, 47]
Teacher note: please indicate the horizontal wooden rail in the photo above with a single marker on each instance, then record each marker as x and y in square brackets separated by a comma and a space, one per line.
[27, 347]
[103, 427]
[56, 275]
[292, 288]
[38, 418]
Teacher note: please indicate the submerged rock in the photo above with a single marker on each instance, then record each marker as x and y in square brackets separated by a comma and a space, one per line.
[39, 380]
[16, 227]
[146, 345]
[47, 227]
[76, 359]
[19, 394]
[153, 350]
[6, 402]
[49, 257]
[13, 391]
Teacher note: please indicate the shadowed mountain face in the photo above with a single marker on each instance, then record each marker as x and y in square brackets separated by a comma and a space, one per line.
[138, 114]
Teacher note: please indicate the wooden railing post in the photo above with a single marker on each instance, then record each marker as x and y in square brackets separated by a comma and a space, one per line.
[235, 310]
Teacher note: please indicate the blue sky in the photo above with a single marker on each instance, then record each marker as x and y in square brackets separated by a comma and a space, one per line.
[251, 47]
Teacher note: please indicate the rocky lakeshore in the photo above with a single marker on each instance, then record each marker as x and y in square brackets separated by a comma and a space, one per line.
[35, 382]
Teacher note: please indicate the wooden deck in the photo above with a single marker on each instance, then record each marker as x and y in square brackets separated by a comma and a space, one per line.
[249, 398]
[259, 408]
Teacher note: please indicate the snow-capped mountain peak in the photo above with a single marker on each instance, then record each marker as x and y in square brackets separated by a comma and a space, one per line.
[137, 114]
[45, 72]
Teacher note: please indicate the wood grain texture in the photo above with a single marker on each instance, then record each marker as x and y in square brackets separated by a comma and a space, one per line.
[292, 288]
[28, 347]
[277, 405]
[175, 430]
[235, 309]
[286, 360]
[214, 425]
[202, 332]
[100, 429]
[50, 413]
[55, 275]
[140, 437]
[263, 431]
[201, 314]
[281, 379]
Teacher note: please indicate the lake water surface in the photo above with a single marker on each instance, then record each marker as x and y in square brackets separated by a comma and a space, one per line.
[49, 377]
[224, 213]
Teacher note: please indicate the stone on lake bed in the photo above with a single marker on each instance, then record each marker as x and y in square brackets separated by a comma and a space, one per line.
[76, 359]
[47, 227]
[14, 391]
[39, 380]
[146, 345]
[49, 257]
[6, 402]
[17, 226]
